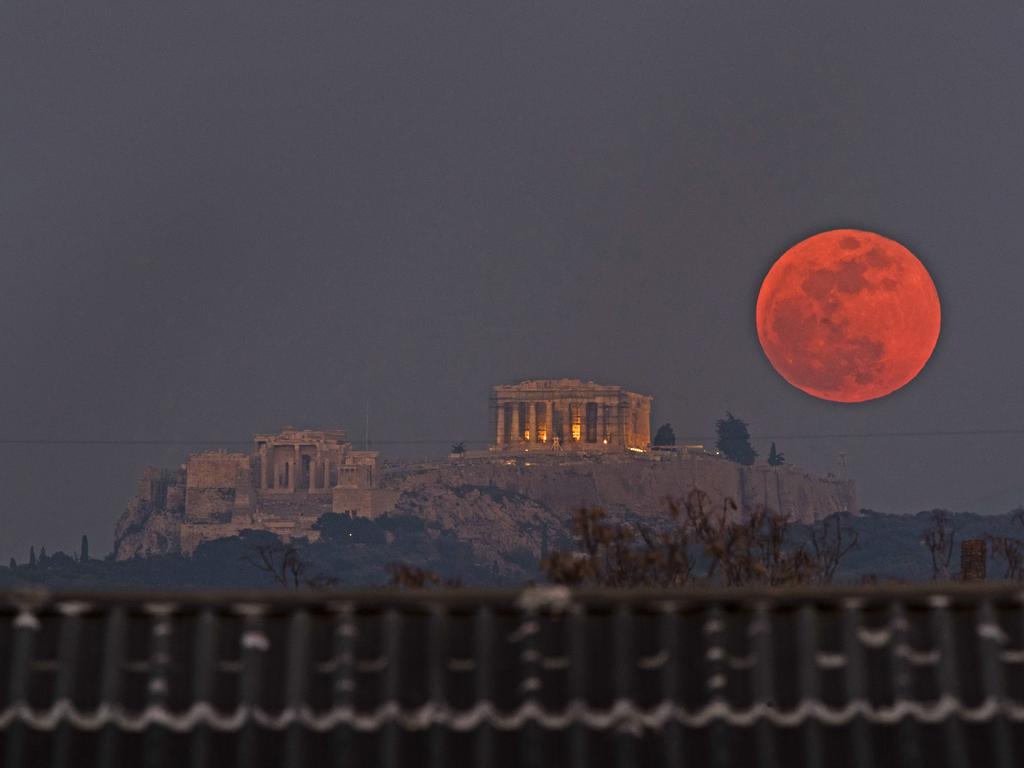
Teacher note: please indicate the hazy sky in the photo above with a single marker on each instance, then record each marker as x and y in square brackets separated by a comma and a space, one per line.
[221, 218]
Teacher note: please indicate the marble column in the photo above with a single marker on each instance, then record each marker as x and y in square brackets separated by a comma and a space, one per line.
[515, 423]
[499, 438]
[531, 421]
[294, 476]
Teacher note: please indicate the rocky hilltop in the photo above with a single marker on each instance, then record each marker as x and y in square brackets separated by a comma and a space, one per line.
[512, 508]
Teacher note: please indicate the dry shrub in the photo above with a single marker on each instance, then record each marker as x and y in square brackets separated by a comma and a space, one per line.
[739, 548]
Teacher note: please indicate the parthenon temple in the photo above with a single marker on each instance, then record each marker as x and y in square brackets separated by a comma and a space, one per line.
[571, 414]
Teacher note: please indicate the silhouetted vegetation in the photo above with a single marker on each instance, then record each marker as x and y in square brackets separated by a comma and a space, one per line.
[286, 566]
[1009, 550]
[940, 538]
[733, 547]
[665, 436]
[775, 458]
[353, 551]
[832, 539]
[406, 576]
[734, 440]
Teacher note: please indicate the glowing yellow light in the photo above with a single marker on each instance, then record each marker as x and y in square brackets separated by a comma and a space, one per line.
[637, 450]
[526, 434]
[542, 434]
[576, 432]
[606, 441]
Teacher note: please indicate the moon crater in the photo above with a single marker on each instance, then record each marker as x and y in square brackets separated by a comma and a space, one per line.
[848, 316]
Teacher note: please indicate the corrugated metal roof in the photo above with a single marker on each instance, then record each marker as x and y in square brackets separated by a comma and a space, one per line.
[545, 677]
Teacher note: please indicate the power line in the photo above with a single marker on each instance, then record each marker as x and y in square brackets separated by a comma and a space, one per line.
[449, 441]
[157, 442]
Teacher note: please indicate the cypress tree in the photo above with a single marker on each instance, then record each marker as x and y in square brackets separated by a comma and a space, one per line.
[775, 458]
[734, 440]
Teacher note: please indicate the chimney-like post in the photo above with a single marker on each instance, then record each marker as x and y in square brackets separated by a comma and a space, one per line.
[973, 559]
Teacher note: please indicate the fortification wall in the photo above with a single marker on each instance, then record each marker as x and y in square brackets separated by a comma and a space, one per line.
[501, 503]
[640, 485]
[215, 469]
[217, 486]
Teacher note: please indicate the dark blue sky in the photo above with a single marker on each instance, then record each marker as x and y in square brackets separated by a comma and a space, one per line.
[218, 218]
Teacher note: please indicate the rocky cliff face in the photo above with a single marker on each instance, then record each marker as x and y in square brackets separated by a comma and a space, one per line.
[152, 523]
[509, 532]
[513, 509]
[638, 486]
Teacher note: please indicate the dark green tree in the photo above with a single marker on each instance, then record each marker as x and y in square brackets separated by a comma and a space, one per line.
[734, 440]
[458, 448]
[776, 458]
[43, 557]
[84, 554]
[665, 435]
[13, 564]
[31, 555]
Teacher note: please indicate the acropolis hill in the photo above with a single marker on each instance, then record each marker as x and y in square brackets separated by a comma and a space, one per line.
[558, 445]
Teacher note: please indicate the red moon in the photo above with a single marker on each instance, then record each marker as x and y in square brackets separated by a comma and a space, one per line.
[848, 316]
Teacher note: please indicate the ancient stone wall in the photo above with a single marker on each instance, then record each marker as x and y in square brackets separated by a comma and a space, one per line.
[640, 485]
[217, 486]
[367, 502]
[501, 504]
[215, 469]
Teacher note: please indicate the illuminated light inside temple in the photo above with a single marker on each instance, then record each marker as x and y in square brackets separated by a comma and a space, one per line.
[580, 415]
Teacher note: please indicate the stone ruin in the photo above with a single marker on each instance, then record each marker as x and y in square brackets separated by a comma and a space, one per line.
[559, 445]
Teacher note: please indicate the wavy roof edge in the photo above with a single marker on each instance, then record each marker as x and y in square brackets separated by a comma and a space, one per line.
[529, 598]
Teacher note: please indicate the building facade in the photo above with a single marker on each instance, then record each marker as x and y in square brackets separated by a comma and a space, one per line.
[560, 414]
[283, 485]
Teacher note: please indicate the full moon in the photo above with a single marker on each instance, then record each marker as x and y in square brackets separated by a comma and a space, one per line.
[848, 316]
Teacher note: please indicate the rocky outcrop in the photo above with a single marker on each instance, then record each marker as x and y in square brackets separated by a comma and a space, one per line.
[509, 532]
[513, 508]
[638, 486]
[152, 523]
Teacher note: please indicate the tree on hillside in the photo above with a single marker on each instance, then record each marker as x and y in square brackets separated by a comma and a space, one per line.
[13, 564]
[735, 547]
[665, 436]
[344, 528]
[1010, 549]
[280, 561]
[939, 538]
[734, 440]
[32, 555]
[776, 458]
[832, 539]
[84, 553]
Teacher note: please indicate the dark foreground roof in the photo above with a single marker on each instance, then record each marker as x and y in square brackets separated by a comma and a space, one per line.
[536, 678]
